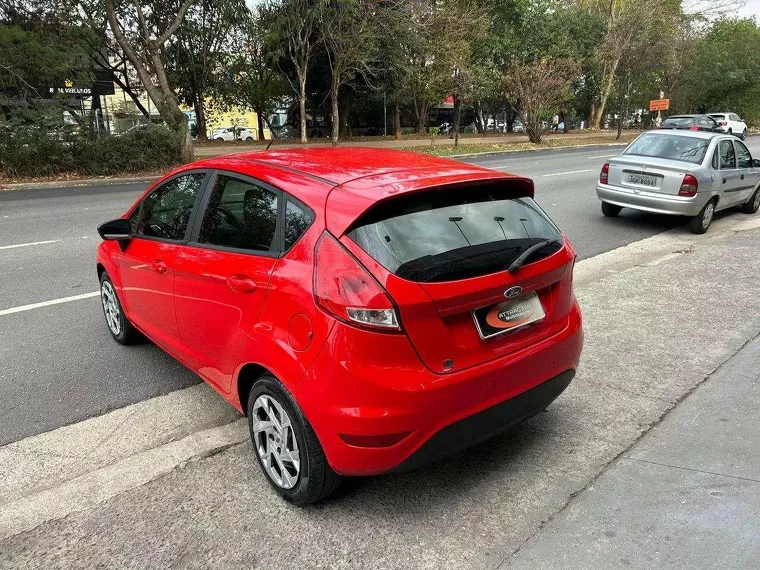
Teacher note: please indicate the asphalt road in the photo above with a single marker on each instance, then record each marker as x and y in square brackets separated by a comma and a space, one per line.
[60, 366]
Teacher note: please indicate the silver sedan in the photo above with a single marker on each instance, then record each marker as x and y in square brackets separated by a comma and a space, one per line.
[692, 174]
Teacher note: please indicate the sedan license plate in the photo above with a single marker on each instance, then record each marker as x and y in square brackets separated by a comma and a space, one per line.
[643, 180]
[508, 315]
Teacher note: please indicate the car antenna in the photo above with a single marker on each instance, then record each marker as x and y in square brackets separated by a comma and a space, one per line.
[271, 137]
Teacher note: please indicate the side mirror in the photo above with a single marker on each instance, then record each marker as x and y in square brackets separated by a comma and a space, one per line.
[118, 229]
[756, 163]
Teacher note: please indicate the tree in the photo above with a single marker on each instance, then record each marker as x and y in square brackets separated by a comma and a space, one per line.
[132, 26]
[349, 40]
[256, 82]
[211, 28]
[538, 87]
[296, 28]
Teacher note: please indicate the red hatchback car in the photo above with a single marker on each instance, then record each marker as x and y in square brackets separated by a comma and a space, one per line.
[368, 310]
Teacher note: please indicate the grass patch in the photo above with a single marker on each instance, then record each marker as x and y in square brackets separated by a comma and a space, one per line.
[447, 150]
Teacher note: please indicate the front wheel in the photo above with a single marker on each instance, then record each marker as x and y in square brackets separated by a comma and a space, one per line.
[610, 210]
[702, 221]
[753, 204]
[287, 448]
[119, 326]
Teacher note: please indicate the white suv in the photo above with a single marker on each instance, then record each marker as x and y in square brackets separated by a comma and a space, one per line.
[230, 134]
[731, 123]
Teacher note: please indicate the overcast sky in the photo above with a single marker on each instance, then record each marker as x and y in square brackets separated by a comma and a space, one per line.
[751, 8]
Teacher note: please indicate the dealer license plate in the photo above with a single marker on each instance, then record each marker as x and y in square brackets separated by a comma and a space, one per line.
[508, 316]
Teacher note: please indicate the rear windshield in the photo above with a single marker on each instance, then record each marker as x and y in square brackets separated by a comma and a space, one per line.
[719, 117]
[445, 235]
[674, 147]
[678, 121]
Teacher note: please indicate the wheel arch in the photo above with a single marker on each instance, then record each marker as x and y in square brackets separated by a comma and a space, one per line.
[246, 376]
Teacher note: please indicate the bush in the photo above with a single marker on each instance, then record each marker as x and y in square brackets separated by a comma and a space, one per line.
[32, 151]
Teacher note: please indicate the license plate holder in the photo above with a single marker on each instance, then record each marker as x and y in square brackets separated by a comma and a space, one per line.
[508, 316]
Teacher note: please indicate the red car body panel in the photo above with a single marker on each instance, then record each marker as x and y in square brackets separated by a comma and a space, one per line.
[220, 311]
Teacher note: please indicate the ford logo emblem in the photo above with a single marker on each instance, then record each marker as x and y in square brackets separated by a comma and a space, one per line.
[513, 292]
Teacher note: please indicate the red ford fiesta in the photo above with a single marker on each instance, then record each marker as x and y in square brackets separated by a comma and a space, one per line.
[368, 310]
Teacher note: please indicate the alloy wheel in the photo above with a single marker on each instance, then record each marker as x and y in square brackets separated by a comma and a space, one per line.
[110, 307]
[756, 205]
[275, 441]
[707, 218]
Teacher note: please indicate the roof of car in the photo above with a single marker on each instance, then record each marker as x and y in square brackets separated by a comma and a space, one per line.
[339, 165]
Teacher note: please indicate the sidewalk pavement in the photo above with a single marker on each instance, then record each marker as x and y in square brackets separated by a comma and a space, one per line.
[660, 316]
[686, 496]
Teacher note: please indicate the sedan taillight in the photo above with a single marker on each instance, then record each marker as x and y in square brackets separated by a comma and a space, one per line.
[346, 290]
[689, 186]
[604, 175]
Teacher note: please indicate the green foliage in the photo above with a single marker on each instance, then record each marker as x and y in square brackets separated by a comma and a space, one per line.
[28, 151]
[725, 73]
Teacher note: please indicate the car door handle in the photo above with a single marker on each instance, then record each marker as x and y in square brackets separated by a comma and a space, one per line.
[158, 266]
[724, 181]
[742, 177]
[241, 283]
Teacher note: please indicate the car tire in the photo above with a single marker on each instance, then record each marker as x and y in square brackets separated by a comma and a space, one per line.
[119, 326]
[219, 139]
[753, 204]
[730, 131]
[249, 138]
[744, 134]
[312, 479]
[610, 210]
[699, 223]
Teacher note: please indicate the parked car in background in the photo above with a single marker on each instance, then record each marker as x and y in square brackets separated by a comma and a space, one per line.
[731, 123]
[369, 310]
[232, 134]
[692, 123]
[692, 174]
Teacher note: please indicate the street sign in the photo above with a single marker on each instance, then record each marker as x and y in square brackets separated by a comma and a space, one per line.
[659, 104]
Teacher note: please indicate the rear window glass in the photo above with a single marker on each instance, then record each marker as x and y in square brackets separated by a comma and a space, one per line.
[678, 121]
[674, 147]
[452, 234]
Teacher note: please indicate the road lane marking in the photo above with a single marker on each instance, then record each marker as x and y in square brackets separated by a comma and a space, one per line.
[602, 156]
[28, 244]
[571, 172]
[48, 303]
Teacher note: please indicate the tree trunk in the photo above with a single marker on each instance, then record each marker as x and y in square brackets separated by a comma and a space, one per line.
[200, 118]
[132, 95]
[607, 83]
[421, 112]
[397, 122]
[457, 116]
[335, 112]
[260, 121]
[302, 106]
[479, 119]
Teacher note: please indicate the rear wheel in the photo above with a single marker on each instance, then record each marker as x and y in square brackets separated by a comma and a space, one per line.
[744, 134]
[702, 221]
[120, 328]
[753, 204]
[287, 448]
[610, 210]
[730, 131]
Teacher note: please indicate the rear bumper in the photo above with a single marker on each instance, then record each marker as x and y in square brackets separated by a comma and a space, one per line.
[488, 423]
[652, 202]
[374, 385]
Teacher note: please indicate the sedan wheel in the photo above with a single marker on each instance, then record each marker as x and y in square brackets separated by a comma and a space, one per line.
[702, 221]
[118, 325]
[753, 204]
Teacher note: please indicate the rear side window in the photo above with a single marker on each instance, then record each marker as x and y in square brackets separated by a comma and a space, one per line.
[727, 155]
[674, 147]
[297, 221]
[165, 212]
[240, 215]
[452, 234]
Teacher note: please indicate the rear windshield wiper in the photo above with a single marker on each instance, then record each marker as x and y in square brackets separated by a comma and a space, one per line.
[525, 255]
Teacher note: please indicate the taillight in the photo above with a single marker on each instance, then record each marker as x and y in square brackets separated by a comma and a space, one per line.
[723, 123]
[343, 288]
[694, 128]
[604, 175]
[689, 186]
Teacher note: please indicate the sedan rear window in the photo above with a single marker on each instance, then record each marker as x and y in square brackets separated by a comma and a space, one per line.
[674, 147]
[679, 121]
[452, 234]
